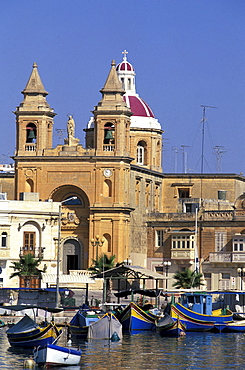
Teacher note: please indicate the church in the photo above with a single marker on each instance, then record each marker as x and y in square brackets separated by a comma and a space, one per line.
[115, 178]
[116, 199]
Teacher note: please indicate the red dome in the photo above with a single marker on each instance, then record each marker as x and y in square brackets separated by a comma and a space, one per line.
[138, 106]
[124, 66]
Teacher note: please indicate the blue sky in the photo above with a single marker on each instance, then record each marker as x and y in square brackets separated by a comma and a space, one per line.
[185, 53]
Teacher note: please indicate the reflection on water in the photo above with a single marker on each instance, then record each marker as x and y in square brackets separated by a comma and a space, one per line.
[146, 351]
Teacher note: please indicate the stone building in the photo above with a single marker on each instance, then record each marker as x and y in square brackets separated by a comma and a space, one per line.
[123, 200]
[116, 178]
[201, 226]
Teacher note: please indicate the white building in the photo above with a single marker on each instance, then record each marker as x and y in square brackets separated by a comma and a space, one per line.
[27, 225]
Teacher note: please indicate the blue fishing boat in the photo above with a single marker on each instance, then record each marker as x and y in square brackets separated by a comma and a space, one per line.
[195, 312]
[167, 326]
[80, 323]
[235, 327]
[135, 318]
[27, 333]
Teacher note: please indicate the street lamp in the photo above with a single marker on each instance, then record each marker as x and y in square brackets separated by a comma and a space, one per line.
[58, 253]
[167, 265]
[97, 242]
[241, 274]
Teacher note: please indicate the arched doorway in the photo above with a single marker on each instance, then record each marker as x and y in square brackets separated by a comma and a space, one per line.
[74, 226]
[72, 252]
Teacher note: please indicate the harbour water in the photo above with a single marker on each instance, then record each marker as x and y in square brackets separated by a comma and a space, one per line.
[145, 351]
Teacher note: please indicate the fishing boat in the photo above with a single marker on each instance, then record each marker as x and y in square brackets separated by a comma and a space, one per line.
[237, 326]
[80, 323]
[135, 318]
[167, 326]
[53, 355]
[195, 312]
[27, 333]
[107, 327]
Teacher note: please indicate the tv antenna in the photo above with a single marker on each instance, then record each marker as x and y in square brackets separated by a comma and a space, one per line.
[60, 133]
[203, 121]
[218, 152]
[184, 158]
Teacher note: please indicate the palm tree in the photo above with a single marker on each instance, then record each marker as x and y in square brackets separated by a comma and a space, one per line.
[104, 263]
[27, 268]
[187, 279]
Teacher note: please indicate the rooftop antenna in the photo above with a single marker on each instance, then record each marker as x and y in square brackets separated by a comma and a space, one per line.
[184, 158]
[175, 150]
[219, 151]
[60, 133]
[203, 121]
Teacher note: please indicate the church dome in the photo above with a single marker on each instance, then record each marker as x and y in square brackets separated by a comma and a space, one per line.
[124, 66]
[143, 116]
[138, 106]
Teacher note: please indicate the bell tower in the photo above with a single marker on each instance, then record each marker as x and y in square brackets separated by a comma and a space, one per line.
[34, 119]
[112, 119]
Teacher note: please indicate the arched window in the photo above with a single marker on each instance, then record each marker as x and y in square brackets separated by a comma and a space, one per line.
[109, 133]
[31, 133]
[141, 153]
[76, 201]
[4, 239]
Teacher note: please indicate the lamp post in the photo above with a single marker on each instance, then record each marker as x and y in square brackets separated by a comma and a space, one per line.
[97, 242]
[241, 274]
[167, 265]
[57, 304]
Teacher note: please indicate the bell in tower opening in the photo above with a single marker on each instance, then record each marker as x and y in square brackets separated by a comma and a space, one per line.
[108, 136]
[31, 134]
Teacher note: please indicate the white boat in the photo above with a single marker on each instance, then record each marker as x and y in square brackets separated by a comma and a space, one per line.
[52, 355]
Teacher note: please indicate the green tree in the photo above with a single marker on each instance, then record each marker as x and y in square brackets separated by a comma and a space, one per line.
[27, 267]
[187, 279]
[104, 263]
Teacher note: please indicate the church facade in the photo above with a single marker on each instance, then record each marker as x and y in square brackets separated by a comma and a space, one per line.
[122, 203]
[120, 162]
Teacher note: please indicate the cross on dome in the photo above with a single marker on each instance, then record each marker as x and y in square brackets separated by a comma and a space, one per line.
[125, 52]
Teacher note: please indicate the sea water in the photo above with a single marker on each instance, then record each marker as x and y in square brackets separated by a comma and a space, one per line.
[145, 350]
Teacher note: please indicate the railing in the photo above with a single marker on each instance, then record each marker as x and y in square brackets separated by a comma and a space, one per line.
[108, 148]
[30, 147]
[172, 216]
[226, 257]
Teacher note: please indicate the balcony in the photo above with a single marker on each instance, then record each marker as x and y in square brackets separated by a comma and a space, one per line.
[227, 257]
[182, 254]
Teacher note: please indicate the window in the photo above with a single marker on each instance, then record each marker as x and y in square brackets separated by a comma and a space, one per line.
[220, 241]
[4, 240]
[182, 241]
[190, 207]
[184, 193]
[238, 244]
[140, 155]
[159, 238]
[29, 242]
